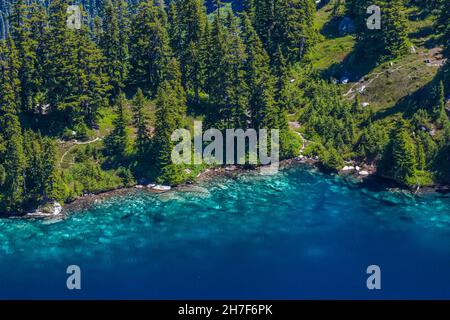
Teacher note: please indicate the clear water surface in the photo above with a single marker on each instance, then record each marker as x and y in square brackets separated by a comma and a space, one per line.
[297, 235]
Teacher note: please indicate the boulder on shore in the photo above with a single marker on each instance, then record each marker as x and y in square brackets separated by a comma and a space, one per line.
[160, 187]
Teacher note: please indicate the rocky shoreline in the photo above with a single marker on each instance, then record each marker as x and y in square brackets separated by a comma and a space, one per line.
[55, 210]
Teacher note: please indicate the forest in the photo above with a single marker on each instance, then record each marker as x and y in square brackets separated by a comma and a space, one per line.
[93, 109]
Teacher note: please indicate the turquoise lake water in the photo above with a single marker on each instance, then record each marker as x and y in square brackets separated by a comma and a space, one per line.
[299, 234]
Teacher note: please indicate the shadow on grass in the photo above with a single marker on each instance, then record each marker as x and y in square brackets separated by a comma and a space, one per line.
[423, 98]
[355, 66]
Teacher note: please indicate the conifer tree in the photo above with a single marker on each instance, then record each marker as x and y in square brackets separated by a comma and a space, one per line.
[403, 153]
[170, 110]
[285, 24]
[388, 42]
[117, 142]
[225, 83]
[114, 42]
[10, 66]
[149, 48]
[140, 121]
[443, 24]
[12, 158]
[439, 110]
[191, 21]
[61, 74]
[92, 84]
[26, 43]
[395, 29]
[258, 76]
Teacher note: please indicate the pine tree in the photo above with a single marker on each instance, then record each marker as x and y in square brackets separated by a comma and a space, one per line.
[264, 21]
[26, 43]
[91, 89]
[149, 48]
[12, 157]
[285, 24]
[404, 153]
[191, 19]
[117, 142]
[140, 121]
[443, 24]
[170, 112]
[439, 110]
[226, 76]
[9, 68]
[114, 42]
[391, 40]
[258, 76]
[395, 29]
[40, 168]
[61, 74]
[237, 90]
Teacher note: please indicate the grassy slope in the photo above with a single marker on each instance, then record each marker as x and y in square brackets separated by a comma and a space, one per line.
[386, 84]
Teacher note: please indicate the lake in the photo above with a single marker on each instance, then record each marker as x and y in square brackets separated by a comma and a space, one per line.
[299, 234]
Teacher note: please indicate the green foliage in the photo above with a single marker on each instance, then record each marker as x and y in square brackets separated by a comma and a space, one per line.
[256, 69]
[329, 117]
[170, 109]
[388, 42]
[150, 51]
[117, 142]
[285, 25]
[140, 121]
[113, 40]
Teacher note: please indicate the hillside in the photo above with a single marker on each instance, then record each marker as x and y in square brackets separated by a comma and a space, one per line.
[93, 109]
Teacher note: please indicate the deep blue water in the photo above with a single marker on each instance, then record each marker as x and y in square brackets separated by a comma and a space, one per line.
[299, 234]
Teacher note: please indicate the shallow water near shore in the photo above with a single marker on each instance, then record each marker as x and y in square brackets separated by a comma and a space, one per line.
[295, 235]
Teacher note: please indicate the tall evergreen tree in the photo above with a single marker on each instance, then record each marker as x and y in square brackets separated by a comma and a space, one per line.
[61, 74]
[258, 76]
[443, 24]
[170, 111]
[403, 153]
[117, 142]
[27, 44]
[225, 83]
[114, 42]
[92, 84]
[149, 48]
[140, 121]
[388, 42]
[285, 24]
[12, 159]
[439, 109]
[395, 29]
[191, 21]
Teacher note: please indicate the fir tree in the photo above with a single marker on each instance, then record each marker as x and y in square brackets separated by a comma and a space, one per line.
[114, 42]
[140, 121]
[117, 142]
[12, 158]
[191, 23]
[258, 77]
[403, 153]
[61, 74]
[149, 48]
[439, 110]
[26, 43]
[395, 29]
[92, 84]
[170, 112]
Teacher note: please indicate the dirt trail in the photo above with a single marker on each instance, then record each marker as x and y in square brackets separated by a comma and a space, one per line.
[76, 143]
